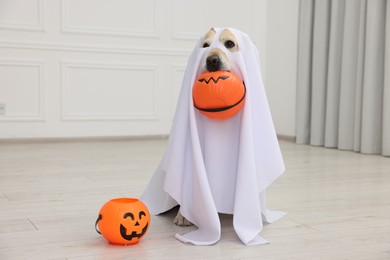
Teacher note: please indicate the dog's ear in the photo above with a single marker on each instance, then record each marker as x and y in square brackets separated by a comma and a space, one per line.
[208, 38]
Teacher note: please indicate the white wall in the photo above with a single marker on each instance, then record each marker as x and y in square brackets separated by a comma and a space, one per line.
[280, 82]
[113, 68]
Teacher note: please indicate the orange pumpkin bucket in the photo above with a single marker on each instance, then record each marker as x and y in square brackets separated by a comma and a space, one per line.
[123, 221]
[219, 94]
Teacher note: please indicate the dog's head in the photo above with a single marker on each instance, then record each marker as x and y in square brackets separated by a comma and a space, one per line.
[219, 49]
[219, 91]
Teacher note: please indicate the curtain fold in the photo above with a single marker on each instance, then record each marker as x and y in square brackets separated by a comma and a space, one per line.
[371, 136]
[386, 90]
[351, 67]
[319, 71]
[334, 74]
[304, 67]
[343, 82]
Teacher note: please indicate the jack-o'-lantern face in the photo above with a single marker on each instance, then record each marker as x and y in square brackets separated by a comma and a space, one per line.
[136, 225]
[219, 94]
[123, 221]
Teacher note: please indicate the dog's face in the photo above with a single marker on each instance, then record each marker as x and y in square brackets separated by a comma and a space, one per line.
[220, 47]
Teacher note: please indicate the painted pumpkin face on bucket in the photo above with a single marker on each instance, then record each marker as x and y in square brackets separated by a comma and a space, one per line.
[123, 221]
[219, 94]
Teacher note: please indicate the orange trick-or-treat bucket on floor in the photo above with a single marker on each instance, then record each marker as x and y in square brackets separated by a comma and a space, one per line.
[123, 221]
[219, 94]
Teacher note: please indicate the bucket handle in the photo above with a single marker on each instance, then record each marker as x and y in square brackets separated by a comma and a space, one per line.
[96, 223]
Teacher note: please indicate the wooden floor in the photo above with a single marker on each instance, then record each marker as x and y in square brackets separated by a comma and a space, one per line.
[337, 204]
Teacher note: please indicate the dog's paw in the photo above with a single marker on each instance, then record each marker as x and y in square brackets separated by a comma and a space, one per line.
[181, 221]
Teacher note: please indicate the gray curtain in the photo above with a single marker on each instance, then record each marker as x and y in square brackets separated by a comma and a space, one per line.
[343, 90]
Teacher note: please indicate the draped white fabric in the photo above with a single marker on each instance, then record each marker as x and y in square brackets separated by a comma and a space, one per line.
[343, 91]
[220, 166]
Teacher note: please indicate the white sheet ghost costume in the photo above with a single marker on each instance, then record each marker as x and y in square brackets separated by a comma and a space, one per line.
[220, 166]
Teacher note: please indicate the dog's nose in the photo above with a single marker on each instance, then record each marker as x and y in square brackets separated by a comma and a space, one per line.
[213, 63]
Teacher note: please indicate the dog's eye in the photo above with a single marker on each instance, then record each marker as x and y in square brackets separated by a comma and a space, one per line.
[229, 44]
[205, 45]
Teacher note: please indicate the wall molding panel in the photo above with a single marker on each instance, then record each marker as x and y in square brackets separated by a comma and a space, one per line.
[20, 23]
[148, 12]
[21, 90]
[97, 69]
